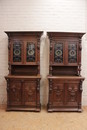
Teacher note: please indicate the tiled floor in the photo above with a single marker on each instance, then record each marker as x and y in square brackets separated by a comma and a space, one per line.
[43, 120]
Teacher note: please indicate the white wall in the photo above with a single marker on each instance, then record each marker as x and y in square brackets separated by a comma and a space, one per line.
[44, 15]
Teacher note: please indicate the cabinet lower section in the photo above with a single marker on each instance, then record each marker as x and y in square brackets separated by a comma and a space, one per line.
[65, 93]
[23, 93]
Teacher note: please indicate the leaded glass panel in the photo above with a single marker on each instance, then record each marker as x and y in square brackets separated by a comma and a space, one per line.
[17, 51]
[58, 52]
[30, 53]
[72, 52]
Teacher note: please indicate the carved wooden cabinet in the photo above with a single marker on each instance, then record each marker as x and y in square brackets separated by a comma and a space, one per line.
[23, 80]
[65, 81]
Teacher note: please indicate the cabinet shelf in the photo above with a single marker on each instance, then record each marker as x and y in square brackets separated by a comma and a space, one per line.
[22, 77]
[66, 77]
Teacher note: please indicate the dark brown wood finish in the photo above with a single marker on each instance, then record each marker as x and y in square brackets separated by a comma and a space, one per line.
[23, 80]
[65, 81]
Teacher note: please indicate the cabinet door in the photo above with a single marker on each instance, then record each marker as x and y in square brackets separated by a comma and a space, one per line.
[58, 53]
[72, 94]
[29, 93]
[58, 94]
[72, 58]
[17, 52]
[64, 53]
[14, 93]
[30, 53]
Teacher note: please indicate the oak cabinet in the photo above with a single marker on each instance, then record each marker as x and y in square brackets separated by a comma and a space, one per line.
[23, 80]
[65, 81]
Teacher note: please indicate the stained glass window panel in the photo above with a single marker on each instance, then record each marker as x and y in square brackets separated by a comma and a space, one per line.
[58, 52]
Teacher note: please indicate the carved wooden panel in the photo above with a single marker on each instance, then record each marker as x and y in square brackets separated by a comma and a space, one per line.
[64, 93]
[72, 94]
[14, 93]
[29, 93]
[58, 94]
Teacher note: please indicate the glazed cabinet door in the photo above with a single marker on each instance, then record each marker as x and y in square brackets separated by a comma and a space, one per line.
[29, 93]
[72, 58]
[30, 53]
[16, 52]
[57, 52]
[64, 52]
[14, 93]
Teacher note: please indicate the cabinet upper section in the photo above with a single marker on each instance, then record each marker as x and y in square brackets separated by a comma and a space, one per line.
[65, 48]
[24, 48]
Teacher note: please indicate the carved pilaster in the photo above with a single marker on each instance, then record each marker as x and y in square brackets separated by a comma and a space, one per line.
[79, 57]
[38, 43]
[81, 85]
[50, 47]
[38, 54]
[38, 93]
[51, 56]
[50, 92]
[50, 70]
[8, 85]
[38, 67]
[9, 67]
[80, 89]
[9, 51]
[79, 70]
